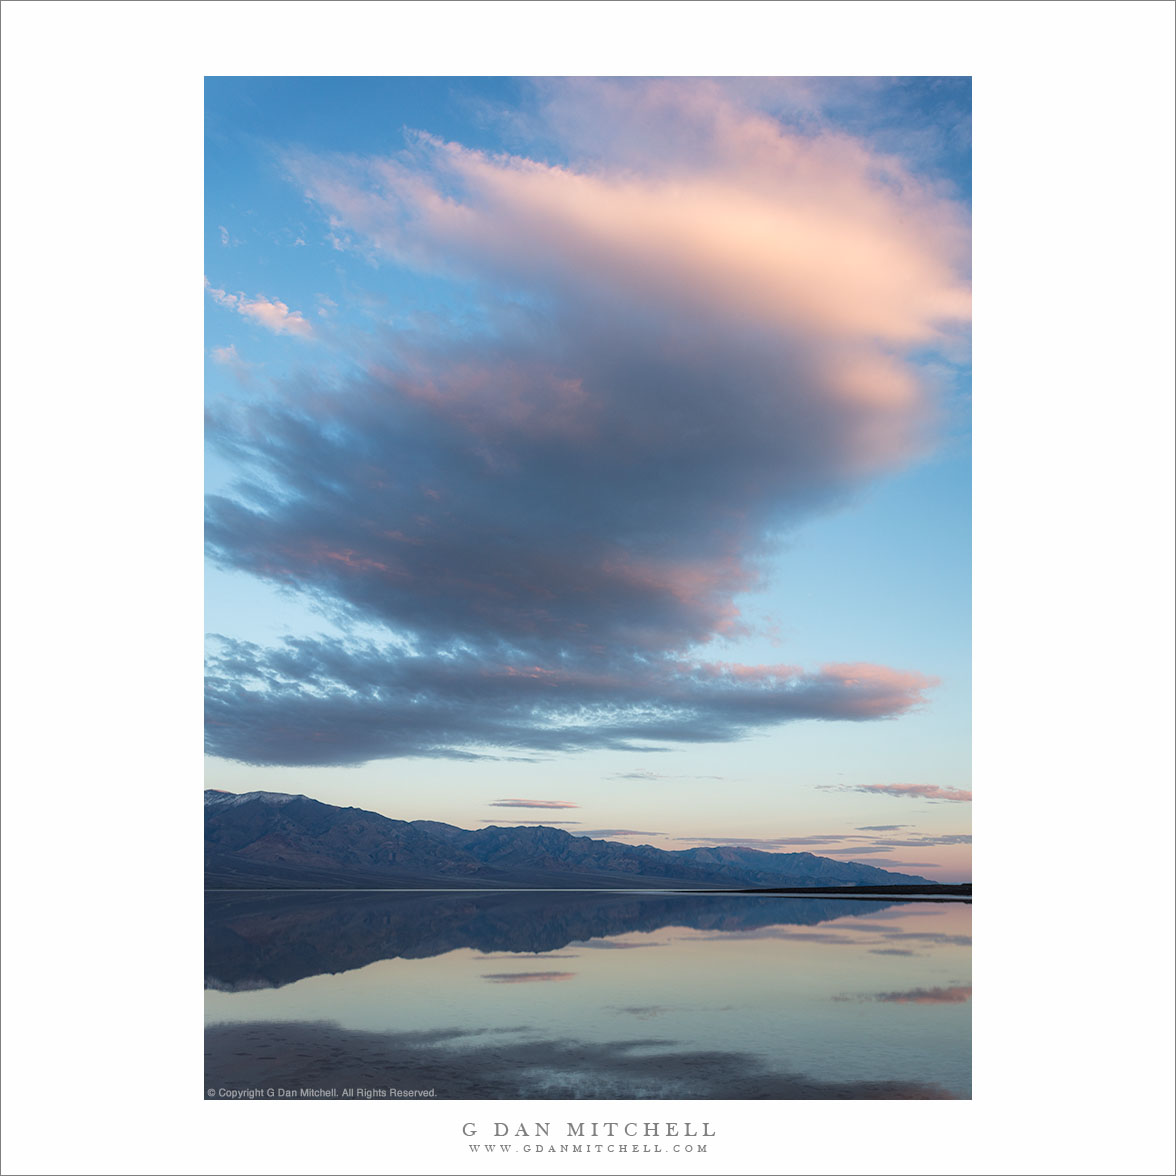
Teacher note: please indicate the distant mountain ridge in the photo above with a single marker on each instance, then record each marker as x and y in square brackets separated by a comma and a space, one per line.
[277, 840]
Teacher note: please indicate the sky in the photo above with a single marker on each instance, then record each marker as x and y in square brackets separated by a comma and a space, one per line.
[595, 452]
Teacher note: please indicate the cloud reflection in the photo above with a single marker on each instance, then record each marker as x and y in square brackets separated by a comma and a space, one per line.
[298, 1055]
[525, 977]
[928, 996]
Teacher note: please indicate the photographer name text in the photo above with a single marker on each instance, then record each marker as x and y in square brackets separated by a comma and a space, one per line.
[625, 1136]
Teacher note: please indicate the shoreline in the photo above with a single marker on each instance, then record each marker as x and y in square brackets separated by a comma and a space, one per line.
[961, 892]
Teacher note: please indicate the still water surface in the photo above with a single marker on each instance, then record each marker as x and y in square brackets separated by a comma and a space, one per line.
[589, 995]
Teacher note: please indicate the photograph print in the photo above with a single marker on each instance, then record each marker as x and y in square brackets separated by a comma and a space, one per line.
[588, 588]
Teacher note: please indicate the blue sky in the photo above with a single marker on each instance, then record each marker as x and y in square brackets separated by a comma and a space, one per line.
[627, 455]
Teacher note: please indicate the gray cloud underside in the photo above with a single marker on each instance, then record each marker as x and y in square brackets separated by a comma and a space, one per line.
[622, 489]
[334, 702]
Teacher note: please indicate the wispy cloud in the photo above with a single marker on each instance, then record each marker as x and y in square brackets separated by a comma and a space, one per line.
[910, 791]
[536, 821]
[921, 791]
[618, 833]
[841, 846]
[539, 804]
[822, 839]
[893, 863]
[272, 314]
[230, 358]
[643, 775]
[923, 839]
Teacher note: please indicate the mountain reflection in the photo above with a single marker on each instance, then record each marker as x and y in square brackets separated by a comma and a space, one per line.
[267, 940]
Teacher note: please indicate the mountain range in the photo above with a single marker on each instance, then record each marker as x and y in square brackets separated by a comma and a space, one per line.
[280, 841]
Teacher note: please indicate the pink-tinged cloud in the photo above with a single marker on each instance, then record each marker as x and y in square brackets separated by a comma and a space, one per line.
[918, 791]
[537, 804]
[722, 217]
[272, 314]
[526, 977]
[741, 218]
[862, 690]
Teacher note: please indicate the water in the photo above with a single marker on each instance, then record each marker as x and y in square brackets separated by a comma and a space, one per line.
[587, 995]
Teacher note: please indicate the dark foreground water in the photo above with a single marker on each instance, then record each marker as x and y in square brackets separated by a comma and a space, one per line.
[585, 995]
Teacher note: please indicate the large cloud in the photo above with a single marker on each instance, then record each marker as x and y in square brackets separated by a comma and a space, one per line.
[553, 504]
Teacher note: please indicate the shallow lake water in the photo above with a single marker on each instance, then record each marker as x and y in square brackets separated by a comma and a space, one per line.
[546, 994]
